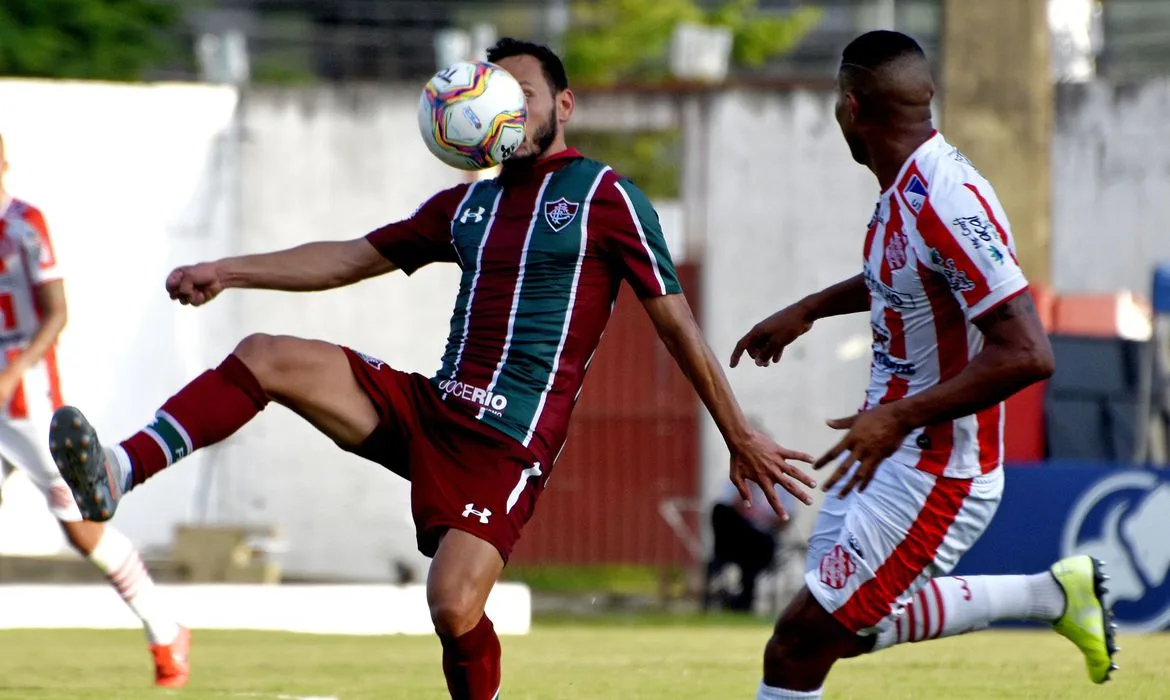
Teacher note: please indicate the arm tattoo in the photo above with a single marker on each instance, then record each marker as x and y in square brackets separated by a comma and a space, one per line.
[1022, 305]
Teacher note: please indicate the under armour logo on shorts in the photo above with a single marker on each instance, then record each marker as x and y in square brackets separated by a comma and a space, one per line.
[469, 510]
[371, 361]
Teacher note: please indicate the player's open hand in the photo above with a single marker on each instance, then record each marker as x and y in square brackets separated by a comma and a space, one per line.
[760, 460]
[766, 341]
[195, 284]
[873, 436]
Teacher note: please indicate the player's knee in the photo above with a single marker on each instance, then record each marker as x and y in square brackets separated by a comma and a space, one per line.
[805, 636]
[455, 611]
[797, 656]
[269, 357]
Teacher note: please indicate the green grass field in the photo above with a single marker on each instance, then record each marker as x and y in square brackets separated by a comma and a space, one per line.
[652, 660]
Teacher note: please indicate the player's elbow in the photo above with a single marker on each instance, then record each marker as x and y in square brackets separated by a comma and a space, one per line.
[56, 319]
[1035, 363]
[1043, 364]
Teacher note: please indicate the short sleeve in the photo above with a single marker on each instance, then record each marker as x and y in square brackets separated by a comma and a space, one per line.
[634, 240]
[964, 240]
[38, 249]
[424, 237]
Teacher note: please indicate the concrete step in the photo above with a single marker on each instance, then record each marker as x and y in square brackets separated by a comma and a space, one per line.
[74, 569]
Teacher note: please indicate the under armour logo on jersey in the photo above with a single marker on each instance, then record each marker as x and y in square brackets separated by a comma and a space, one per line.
[469, 214]
[469, 510]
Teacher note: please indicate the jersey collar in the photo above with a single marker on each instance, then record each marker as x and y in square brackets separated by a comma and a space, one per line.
[935, 141]
[557, 159]
[543, 166]
[5, 202]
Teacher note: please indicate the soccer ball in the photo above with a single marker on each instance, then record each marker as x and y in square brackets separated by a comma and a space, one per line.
[472, 115]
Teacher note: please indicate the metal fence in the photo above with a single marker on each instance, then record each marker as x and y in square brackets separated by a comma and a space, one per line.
[305, 41]
[388, 40]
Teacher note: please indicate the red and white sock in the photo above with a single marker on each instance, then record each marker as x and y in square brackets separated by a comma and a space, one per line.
[958, 604]
[119, 561]
[209, 409]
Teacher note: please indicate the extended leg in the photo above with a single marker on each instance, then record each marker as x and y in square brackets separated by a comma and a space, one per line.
[1070, 596]
[312, 378]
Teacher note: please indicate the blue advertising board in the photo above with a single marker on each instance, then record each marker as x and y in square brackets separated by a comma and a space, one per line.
[1120, 515]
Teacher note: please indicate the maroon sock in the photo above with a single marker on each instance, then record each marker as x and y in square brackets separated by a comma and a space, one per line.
[209, 409]
[471, 663]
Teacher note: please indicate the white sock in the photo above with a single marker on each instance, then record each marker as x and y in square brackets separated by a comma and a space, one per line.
[123, 467]
[767, 692]
[955, 605]
[119, 561]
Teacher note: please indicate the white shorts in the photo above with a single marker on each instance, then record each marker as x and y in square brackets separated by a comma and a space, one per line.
[872, 551]
[25, 445]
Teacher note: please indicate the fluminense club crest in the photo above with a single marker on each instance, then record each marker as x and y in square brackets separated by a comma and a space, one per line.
[560, 213]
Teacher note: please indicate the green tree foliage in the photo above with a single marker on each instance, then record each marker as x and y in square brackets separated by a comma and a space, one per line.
[614, 40]
[82, 39]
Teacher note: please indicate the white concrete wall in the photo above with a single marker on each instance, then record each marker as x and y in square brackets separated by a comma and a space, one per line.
[1111, 186]
[786, 216]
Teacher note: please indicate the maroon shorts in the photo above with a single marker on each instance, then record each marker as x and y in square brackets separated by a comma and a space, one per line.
[463, 474]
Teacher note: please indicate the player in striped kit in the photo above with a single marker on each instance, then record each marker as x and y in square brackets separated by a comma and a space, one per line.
[543, 249]
[920, 474]
[32, 315]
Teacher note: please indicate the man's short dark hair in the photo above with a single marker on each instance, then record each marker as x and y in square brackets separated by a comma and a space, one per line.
[875, 49]
[554, 70]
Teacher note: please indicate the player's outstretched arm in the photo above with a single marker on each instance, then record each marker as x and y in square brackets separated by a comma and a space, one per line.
[766, 341]
[754, 456]
[306, 268]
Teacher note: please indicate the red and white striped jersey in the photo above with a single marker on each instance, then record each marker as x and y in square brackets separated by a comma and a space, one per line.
[939, 254]
[26, 262]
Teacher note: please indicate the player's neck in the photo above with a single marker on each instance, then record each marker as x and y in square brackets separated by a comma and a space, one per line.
[887, 157]
[558, 147]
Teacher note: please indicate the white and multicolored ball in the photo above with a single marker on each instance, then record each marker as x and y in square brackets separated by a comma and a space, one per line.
[472, 115]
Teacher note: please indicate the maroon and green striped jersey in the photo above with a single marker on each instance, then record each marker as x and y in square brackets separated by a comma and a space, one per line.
[543, 253]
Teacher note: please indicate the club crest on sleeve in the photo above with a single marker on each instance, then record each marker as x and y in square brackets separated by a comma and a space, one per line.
[560, 213]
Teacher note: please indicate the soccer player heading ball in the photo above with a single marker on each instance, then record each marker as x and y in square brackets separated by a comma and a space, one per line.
[920, 471]
[543, 249]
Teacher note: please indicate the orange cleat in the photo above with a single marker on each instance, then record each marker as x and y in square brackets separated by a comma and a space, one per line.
[172, 663]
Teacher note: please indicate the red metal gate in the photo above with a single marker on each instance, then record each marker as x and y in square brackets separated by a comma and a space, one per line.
[634, 442]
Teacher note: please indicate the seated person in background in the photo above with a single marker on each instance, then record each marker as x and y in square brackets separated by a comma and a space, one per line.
[744, 536]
